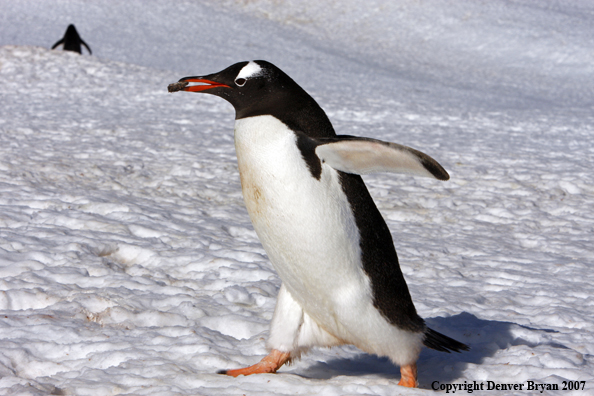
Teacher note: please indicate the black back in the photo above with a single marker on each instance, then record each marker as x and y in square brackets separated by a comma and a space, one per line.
[378, 255]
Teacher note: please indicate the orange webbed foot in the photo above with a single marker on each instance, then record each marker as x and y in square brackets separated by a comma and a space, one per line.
[269, 364]
[408, 376]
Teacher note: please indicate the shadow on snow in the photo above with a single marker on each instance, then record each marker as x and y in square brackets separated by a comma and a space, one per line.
[485, 338]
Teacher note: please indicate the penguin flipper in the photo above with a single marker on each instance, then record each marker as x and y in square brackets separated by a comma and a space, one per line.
[85, 44]
[361, 156]
[61, 41]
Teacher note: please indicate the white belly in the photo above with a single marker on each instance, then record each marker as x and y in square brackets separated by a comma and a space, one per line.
[305, 225]
[309, 233]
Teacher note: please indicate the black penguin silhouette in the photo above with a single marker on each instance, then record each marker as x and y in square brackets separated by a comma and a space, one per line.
[72, 41]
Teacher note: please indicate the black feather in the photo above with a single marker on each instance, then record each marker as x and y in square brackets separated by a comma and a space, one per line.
[442, 343]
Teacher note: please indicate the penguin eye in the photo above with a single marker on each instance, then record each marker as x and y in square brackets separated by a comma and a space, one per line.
[240, 82]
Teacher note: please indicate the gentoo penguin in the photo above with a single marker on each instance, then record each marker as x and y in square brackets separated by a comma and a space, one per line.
[341, 281]
[72, 41]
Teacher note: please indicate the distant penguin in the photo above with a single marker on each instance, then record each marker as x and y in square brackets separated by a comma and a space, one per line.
[72, 41]
[341, 281]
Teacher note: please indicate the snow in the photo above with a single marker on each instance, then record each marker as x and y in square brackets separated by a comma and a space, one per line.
[128, 262]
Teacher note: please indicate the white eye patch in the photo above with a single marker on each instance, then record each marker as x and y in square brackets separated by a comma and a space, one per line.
[252, 69]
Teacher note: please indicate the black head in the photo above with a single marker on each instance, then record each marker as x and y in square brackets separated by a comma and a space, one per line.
[71, 32]
[260, 88]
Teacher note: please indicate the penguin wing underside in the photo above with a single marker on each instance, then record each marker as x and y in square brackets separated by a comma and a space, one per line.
[361, 156]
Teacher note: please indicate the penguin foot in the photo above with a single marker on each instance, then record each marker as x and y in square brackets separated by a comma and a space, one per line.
[408, 376]
[269, 364]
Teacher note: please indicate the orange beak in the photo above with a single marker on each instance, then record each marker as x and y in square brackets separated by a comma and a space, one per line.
[203, 84]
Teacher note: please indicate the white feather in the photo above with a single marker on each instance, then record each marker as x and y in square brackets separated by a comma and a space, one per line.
[366, 156]
[252, 69]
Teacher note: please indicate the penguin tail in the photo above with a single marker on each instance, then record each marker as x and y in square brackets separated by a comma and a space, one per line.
[442, 343]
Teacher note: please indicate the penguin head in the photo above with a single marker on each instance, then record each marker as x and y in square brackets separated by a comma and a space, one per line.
[253, 88]
[71, 31]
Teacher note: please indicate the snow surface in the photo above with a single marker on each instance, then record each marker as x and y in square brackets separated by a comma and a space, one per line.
[128, 262]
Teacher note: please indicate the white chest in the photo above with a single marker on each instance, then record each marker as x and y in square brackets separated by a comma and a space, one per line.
[305, 225]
